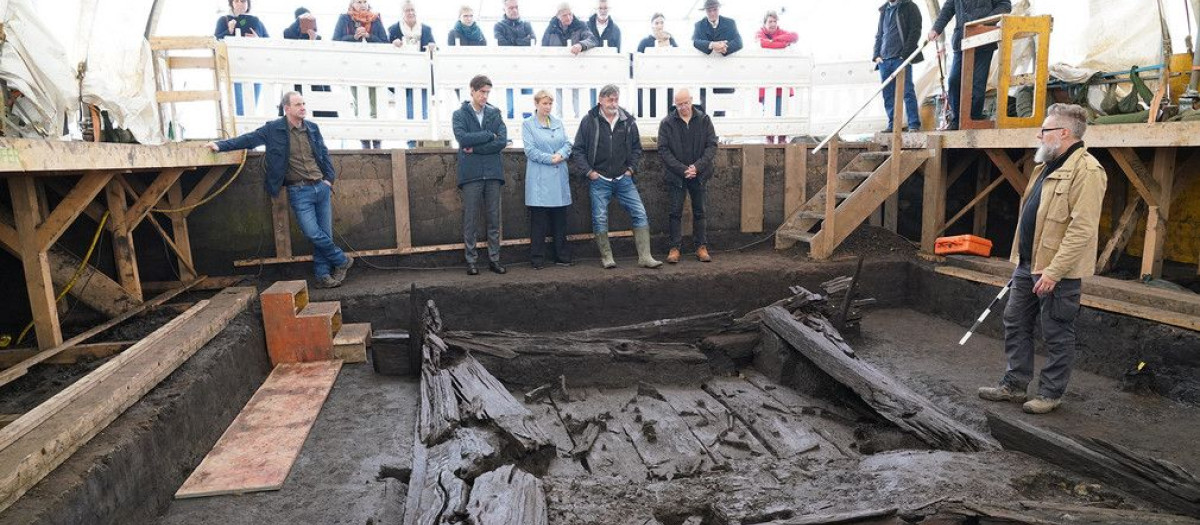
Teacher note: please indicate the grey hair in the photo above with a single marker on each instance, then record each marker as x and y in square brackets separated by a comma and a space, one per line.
[770, 14]
[287, 99]
[1073, 117]
[564, 6]
[609, 90]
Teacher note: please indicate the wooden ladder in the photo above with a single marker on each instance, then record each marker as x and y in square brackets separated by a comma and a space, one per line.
[857, 191]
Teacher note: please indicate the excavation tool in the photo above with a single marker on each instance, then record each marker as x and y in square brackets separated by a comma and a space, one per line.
[985, 313]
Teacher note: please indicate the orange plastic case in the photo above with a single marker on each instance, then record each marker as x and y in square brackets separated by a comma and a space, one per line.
[963, 244]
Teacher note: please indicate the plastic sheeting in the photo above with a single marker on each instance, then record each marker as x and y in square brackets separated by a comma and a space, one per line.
[41, 60]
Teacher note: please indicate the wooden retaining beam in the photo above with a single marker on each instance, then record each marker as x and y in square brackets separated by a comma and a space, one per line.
[75, 415]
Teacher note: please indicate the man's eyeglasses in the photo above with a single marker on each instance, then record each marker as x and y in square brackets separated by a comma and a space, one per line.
[1044, 130]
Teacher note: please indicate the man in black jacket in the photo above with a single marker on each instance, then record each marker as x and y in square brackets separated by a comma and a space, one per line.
[512, 31]
[897, 37]
[603, 28]
[608, 150]
[687, 144]
[964, 11]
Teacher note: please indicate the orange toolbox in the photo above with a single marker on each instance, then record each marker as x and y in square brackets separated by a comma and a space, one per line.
[963, 244]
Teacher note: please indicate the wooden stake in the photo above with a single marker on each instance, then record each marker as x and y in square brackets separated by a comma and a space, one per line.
[122, 239]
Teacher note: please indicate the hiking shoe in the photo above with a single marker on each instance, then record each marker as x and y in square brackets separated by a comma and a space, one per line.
[327, 281]
[673, 256]
[702, 254]
[339, 272]
[1002, 393]
[1041, 405]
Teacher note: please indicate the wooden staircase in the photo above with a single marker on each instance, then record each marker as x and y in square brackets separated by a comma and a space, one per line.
[858, 190]
[299, 331]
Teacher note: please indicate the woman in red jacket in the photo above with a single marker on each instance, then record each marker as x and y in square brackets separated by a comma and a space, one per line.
[770, 36]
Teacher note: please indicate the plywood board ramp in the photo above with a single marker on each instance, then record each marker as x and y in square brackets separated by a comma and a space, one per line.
[258, 449]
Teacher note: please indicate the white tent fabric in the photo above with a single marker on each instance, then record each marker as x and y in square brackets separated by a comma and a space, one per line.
[41, 60]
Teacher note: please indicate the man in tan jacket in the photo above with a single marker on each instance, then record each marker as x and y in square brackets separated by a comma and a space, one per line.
[1054, 247]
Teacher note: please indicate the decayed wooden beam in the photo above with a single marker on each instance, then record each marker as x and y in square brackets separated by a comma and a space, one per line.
[1156, 481]
[1138, 175]
[72, 206]
[28, 459]
[19, 369]
[662, 439]
[908, 410]
[508, 496]
[689, 328]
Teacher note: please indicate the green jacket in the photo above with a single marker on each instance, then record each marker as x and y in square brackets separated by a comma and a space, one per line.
[1068, 218]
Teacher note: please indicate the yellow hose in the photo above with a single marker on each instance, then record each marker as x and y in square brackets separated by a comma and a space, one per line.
[205, 200]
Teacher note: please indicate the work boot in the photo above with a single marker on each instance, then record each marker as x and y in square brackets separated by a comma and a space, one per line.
[1002, 393]
[702, 254]
[673, 256]
[326, 281]
[339, 272]
[641, 239]
[606, 257]
[1041, 405]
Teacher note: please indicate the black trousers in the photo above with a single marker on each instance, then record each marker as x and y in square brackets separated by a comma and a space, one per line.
[553, 219]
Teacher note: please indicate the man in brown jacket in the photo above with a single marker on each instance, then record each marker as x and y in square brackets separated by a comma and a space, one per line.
[1054, 247]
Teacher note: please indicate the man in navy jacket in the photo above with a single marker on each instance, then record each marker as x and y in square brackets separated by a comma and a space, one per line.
[298, 160]
[481, 136]
[963, 11]
[715, 33]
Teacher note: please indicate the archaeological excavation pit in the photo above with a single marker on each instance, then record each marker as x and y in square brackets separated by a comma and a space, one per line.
[717, 395]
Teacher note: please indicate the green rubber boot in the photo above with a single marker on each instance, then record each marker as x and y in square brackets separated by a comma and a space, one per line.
[641, 239]
[606, 256]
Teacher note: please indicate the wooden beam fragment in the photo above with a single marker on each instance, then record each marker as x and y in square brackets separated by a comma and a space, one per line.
[892, 399]
[508, 496]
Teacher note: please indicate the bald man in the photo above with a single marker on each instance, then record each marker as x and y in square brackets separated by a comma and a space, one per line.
[687, 143]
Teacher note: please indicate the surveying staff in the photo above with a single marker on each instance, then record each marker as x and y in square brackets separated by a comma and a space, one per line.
[1054, 247]
[963, 11]
[298, 160]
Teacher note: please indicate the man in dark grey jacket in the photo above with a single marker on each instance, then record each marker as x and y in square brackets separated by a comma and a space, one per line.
[511, 30]
[687, 144]
[964, 11]
[481, 136]
[565, 29]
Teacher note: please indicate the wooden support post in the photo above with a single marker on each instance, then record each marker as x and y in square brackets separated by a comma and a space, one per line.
[933, 199]
[122, 239]
[34, 261]
[400, 202]
[1122, 231]
[1008, 169]
[1156, 221]
[71, 207]
[981, 207]
[824, 249]
[795, 173]
[753, 169]
[1140, 177]
[179, 230]
[282, 221]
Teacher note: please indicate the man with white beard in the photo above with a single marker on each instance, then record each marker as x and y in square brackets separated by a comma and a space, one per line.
[1054, 247]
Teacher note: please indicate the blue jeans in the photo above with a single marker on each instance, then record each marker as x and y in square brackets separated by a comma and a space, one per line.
[911, 114]
[602, 192]
[314, 215]
[979, 78]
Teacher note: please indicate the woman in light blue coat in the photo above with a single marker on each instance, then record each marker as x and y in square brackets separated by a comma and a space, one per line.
[547, 193]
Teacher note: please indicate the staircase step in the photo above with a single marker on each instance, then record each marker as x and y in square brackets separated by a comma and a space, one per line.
[330, 309]
[843, 195]
[854, 175]
[796, 235]
[350, 343]
[280, 294]
[875, 155]
[812, 215]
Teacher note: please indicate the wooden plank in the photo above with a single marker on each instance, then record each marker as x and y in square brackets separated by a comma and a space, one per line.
[824, 248]
[490, 400]
[19, 369]
[400, 201]
[888, 396]
[78, 389]
[165, 43]
[1008, 169]
[35, 262]
[795, 178]
[933, 196]
[1140, 177]
[179, 231]
[662, 439]
[508, 496]
[122, 239]
[281, 218]
[191, 62]
[753, 169]
[257, 451]
[1157, 481]
[71, 207]
[7, 419]
[69, 356]
[784, 434]
[35, 454]
[52, 158]
[1122, 232]
[980, 218]
[1156, 219]
[171, 97]
[725, 437]
[150, 197]
[208, 284]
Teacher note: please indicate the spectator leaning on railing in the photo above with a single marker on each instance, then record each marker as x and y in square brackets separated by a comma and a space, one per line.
[715, 33]
[409, 33]
[564, 29]
[771, 36]
[658, 36]
[361, 24]
[304, 28]
[466, 32]
[603, 28]
[511, 30]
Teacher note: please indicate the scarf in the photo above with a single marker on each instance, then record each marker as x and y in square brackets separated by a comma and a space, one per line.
[469, 34]
[662, 38]
[365, 18]
[412, 35]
